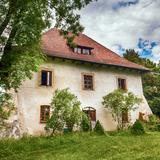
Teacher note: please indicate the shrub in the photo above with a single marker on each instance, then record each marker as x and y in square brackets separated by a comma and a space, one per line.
[99, 128]
[85, 123]
[153, 119]
[120, 101]
[158, 127]
[66, 111]
[137, 128]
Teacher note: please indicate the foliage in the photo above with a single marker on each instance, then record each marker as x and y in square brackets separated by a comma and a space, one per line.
[151, 81]
[153, 119]
[99, 128]
[85, 123]
[83, 146]
[137, 128]
[66, 111]
[6, 107]
[19, 65]
[158, 127]
[152, 123]
[21, 27]
[120, 101]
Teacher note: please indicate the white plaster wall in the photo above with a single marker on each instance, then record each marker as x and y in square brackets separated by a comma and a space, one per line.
[67, 74]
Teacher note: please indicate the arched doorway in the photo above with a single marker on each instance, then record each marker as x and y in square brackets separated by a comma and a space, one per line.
[90, 112]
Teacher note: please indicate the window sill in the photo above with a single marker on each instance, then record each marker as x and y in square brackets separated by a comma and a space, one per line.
[42, 122]
[43, 86]
[88, 89]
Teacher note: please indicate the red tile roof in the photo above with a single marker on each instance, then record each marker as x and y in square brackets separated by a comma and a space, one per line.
[55, 45]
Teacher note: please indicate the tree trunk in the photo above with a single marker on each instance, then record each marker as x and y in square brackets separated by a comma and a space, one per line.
[8, 16]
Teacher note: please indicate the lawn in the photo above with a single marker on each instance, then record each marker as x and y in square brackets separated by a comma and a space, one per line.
[83, 147]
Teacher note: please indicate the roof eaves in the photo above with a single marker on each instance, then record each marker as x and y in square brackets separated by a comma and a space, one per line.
[143, 69]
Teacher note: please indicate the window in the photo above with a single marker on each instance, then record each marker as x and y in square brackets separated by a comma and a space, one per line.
[90, 112]
[88, 82]
[125, 117]
[141, 116]
[86, 51]
[44, 113]
[122, 84]
[46, 78]
[82, 50]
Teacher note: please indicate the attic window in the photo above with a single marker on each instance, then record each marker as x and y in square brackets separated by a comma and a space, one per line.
[82, 50]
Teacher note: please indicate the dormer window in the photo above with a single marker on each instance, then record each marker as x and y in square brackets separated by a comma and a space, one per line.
[83, 50]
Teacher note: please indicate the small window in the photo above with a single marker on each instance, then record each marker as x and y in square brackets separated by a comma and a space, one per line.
[46, 78]
[88, 82]
[79, 50]
[125, 117]
[141, 116]
[86, 51]
[122, 84]
[44, 113]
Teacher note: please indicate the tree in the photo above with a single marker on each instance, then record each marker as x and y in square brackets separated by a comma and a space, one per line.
[99, 128]
[21, 26]
[6, 107]
[151, 81]
[66, 111]
[133, 56]
[118, 102]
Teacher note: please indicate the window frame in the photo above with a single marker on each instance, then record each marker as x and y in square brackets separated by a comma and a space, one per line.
[40, 77]
[93, 81]
[49, 78]
[125, 81]
[45, 117]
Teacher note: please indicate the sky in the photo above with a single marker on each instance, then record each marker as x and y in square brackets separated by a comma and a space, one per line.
[125, 24]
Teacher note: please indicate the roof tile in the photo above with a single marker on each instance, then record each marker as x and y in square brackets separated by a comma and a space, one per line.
[53, 44]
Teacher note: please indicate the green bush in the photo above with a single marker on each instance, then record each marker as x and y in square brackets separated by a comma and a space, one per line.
[137, 128]
[86, 123]
[99, 128]
[120, 101]
[65, 112]
[158, 127]
[153, 119]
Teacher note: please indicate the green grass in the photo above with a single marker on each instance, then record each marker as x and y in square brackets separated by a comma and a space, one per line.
[83, 146]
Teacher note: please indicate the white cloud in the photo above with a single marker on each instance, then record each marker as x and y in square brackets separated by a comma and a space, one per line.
[123, 26]
[156, 52]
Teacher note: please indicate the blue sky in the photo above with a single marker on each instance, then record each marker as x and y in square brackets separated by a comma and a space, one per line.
[125, 24]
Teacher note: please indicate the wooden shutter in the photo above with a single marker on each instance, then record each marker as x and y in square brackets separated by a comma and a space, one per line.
[44, 113]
